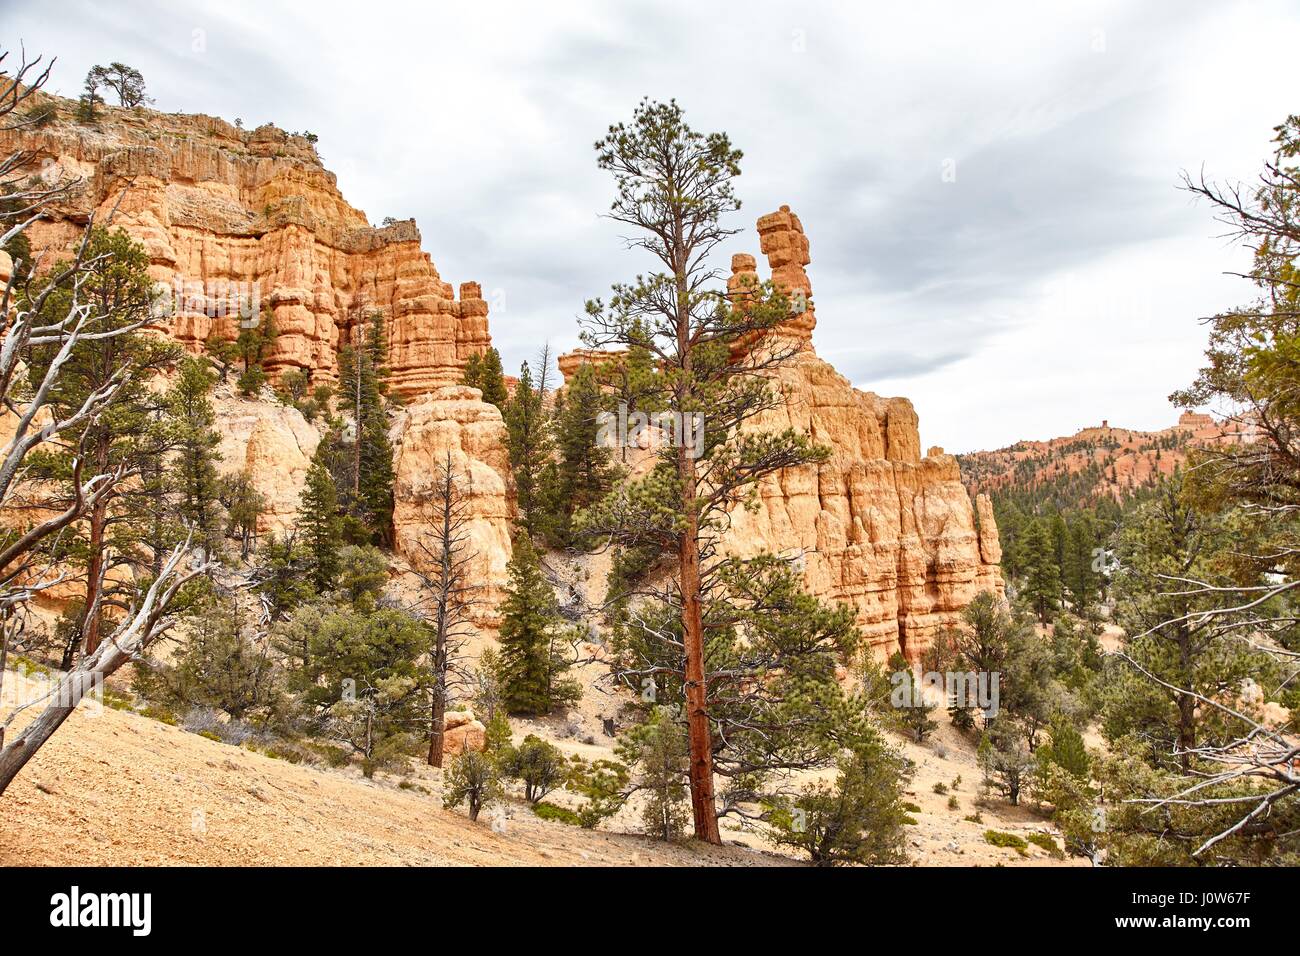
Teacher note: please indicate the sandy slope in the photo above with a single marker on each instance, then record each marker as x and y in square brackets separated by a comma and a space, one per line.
[124, 789]
[119, 788]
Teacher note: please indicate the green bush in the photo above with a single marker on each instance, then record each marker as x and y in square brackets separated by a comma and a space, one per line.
[940, 788]
[1008, 840]
[1045, 841]
[549, 811]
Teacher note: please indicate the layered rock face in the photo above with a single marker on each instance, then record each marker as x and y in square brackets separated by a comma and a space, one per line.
[877, 526]
[273, 445]
[455, 419]
[244, 225]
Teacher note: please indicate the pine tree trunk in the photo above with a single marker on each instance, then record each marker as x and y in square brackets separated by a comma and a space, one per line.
[95, 575]
[437, 717]
[703, 804]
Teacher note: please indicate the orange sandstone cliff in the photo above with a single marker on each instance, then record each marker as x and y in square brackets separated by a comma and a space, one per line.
[231, 218]
[243, 226]
[228, 215]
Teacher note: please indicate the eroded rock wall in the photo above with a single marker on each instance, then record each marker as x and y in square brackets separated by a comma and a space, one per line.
[231, 217]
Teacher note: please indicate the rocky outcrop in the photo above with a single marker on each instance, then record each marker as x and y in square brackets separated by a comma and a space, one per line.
[462, 733]
[273, 445]
[244, 226]
[247, 227]
[877, 526]
[454, 418]
[1101, 460]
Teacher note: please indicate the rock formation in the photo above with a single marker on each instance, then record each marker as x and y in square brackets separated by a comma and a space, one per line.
[272, 444]
[242, 223]
[1100, 461]
[876, 526]
[242, 226]
[455, 418]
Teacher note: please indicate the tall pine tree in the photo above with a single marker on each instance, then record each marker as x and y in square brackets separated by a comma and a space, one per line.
[532, 664]
[318, 522]
[530, 445]
[368, 494]
[195, 480]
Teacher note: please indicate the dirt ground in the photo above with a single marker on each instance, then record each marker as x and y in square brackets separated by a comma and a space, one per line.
[123, 789]
[118, 788]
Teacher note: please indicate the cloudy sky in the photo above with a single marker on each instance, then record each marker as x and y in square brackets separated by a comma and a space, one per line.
[990, 189]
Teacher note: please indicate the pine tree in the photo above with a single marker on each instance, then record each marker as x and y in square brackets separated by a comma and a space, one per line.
[128, 437]
[656, 750]
[252, 346]
[1042, 586]
[368, 495]
[861, 819]
[472, 376]
[318, 523]
[195, 479]
[912, 710]
[714, 354]
[585, 471]
[532, 664]
[244, 505]
[530, 445]
[492, 379]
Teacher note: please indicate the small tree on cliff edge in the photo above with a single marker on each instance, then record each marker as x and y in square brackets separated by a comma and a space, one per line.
[714, 357]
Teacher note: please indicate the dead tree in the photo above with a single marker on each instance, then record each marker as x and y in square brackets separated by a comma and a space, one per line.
[450, 593]
[149, 620]
[25, 323]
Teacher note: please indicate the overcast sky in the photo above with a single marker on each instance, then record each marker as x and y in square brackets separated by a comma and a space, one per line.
[1053, 279]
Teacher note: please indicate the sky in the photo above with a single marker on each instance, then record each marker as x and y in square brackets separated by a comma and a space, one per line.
[990, 190]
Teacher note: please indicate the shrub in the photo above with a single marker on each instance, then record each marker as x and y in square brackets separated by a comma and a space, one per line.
[538, 764]
[954, 803]
[549, 811]
[1045, 841]
[940, 788]
[472, 779]
[1007, 840]
[858, 819]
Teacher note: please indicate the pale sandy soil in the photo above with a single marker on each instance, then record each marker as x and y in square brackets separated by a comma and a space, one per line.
[126, 790]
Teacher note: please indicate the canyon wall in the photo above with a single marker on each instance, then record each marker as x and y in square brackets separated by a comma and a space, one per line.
[244, 226]
[250, 220]
[233, 218]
